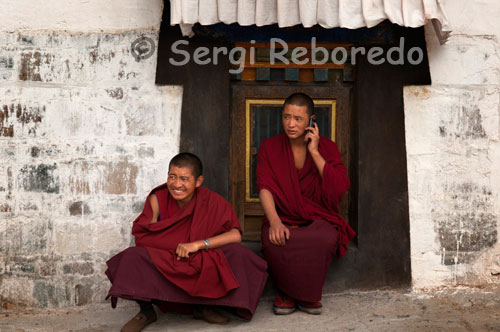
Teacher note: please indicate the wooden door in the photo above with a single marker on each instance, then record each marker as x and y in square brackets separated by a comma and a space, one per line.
[256, 115]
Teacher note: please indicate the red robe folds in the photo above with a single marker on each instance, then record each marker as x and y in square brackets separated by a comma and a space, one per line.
[304, 198]
[231, 276]
[205, 273]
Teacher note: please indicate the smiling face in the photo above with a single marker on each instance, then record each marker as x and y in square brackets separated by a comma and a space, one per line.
[295, 120]
[182, 184]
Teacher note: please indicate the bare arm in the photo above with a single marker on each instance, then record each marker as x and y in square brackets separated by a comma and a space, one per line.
[267, 202]
[278, 233]
[153, 200]
[184, 249]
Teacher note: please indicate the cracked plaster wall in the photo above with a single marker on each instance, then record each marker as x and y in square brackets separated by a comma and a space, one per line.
[84, 135]
[453, 151]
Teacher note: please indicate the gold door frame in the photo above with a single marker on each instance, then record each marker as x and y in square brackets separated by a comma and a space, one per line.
[279, 102]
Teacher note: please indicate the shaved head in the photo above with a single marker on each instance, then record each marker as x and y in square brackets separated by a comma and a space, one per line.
[300, 99]
[189, 160]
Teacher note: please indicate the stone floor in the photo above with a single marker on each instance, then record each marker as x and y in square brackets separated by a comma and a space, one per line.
[458, 309]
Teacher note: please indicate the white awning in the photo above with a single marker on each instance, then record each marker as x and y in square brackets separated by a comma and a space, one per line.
[352, 14]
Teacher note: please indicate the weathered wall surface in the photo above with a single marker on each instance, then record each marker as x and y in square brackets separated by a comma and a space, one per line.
[84, 135]
[453, 149]
[80, 15]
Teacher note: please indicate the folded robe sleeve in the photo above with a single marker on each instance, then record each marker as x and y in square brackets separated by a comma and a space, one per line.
[335, 182]
[303, 196]
[265, 178]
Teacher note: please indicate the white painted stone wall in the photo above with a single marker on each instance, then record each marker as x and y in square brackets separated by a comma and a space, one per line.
[453, 150]
[84, 135]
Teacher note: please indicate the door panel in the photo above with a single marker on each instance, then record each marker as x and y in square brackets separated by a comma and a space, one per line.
[263, 120]
[256, 115]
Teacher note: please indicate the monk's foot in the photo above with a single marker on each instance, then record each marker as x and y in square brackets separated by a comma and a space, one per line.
[283, 304]
[313, 308]
[139, 322]
[209, 315]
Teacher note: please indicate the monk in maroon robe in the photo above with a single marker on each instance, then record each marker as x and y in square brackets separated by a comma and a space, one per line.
[301, 179]
[187, 256]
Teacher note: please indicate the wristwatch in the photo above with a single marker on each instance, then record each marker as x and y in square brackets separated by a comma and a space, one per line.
[206, 244]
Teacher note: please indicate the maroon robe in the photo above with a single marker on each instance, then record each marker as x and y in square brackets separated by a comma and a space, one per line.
[151, 271]
[205, 273]
[311, 202]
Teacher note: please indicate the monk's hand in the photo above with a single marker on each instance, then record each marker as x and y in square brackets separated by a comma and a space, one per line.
[184, 249]
[313, 138]
[278, 233]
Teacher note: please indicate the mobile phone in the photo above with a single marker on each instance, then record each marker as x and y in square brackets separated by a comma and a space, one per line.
[311, 124]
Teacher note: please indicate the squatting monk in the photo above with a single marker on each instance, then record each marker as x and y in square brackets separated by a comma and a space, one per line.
[301, 179]
[187, 257]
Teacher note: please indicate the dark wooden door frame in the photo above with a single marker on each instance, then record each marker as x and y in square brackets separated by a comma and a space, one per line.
[382, 257]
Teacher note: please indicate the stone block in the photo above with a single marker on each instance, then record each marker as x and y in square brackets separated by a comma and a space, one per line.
[16, 293]
[83, 294]
[51, 294]
[115, 178]
[25, 236]
[47, 266]
[145, 152]
[465, 220]
[83, 120]
[119, 178]
[31, 63]
[6, 179]
[45, 151]
[437, 118]
[473, 18]
[20, 119]
[6, 62]
[463, 60]
[40, 178]
[83, 268]
[22, 266]
[138, 206]
[79, 209]
[82, 235]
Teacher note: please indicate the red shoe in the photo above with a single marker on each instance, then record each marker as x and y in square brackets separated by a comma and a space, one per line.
[313, 308]
[283, 305]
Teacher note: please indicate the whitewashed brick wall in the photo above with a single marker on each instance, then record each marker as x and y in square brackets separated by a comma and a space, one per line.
[84, 135]
[453, 150]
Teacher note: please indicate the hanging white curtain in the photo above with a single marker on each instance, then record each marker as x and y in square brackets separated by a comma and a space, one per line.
[352, 14]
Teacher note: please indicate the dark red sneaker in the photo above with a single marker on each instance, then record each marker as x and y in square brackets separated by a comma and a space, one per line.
[283, 305]
[313, 308]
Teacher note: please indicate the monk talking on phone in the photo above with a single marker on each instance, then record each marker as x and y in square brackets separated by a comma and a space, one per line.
[301, 179]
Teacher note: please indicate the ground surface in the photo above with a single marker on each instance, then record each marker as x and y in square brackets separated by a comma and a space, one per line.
[462, 309]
